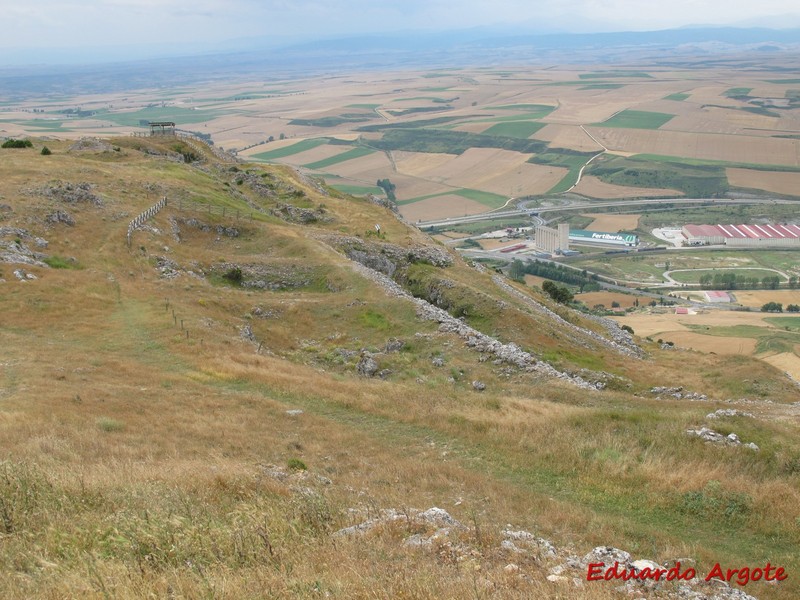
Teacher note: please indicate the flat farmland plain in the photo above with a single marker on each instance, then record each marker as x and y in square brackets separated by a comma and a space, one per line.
[510, 116]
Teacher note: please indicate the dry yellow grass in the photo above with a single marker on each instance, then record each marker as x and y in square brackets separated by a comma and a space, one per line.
[441, 207]
[567, 136]
[591, 299]
[612, 222]
[757, 298]
[733, 148]
[777, 182]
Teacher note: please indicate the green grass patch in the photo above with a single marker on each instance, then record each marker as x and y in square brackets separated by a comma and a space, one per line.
[781, 81]
[677, 97]
[179, 115]
[702, 162]
[786, 323]
[375, 320]
[452, 142]
[518, 129]
[301, 146]
[419, 124]
[367, 106]
[59, 262]
[541, 109]
[637, 119]
[738, 92]
[339, 158]
[489, 199]
[332, 121]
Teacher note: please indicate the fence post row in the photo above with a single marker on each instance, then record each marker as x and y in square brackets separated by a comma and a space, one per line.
[147, 214]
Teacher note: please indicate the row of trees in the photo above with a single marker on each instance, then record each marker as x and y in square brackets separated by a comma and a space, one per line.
[581, 279]
[733, 281]
[778, 307]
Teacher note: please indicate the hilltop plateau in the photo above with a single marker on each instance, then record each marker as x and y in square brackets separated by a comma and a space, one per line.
[265, 387]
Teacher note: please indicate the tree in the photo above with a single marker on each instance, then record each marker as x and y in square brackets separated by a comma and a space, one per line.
[793, 308]
[771, 282]
[271, 138]
[793, 282]
[388, 187]
[559, 293]
[46, 151]
[772, 307]
[614, 304]
[282, 136]
[517, 270]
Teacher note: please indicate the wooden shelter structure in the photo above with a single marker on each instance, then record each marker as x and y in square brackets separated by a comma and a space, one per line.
[162, 128]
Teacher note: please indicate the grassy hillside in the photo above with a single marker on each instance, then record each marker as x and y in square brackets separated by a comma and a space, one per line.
[150, 439]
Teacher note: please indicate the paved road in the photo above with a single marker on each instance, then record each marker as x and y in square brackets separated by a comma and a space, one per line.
[526, 209]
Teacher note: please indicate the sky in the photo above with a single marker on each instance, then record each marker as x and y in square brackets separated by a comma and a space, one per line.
[195, 24]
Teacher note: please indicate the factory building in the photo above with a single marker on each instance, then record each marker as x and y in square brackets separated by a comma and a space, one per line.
[743, 236]
[581, 236]
[552, 240]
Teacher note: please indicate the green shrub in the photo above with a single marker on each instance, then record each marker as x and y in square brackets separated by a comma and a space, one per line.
[295, 464]
[17, 144]
[46, 151]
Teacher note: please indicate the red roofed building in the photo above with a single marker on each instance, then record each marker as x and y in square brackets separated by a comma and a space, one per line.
[774, 236]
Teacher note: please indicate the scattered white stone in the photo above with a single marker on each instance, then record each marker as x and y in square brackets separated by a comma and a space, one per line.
[294, 412]
[728, 412]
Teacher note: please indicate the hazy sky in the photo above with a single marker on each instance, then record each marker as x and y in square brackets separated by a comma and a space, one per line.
[74, 23]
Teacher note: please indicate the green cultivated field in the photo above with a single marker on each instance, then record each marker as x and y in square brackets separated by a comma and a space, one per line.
[637, 119]
[486, 198]
[180, 115]
[518, 129]
[339, 158]
[678, 97]
[290, 150]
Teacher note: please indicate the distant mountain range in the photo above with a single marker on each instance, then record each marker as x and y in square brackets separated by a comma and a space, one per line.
[474, 47]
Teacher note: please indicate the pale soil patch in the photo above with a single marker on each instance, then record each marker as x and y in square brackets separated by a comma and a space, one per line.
[778, 182]
[474, 127]
[713, 119]
[417, 164]
[441, 207]
[535, 280]
[595, 188]
[662, 324]
[360, 167]
[497, 171]
[731, 148]
[315, 154]
[711, 343]
[786, 362]
[567, 136]
[757, 299]
[606, 298]
[494, 244]
[613, 223]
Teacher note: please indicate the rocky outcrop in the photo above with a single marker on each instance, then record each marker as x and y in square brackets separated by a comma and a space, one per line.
[709, 435]
[71, 193]
[620, 341]
[480, 342]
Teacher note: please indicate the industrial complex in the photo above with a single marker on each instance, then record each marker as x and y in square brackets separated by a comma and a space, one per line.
[773, 236]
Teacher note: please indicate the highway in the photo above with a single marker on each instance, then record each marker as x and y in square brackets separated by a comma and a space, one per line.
[526, 209]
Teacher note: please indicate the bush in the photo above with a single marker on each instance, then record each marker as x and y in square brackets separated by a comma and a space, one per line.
[17, 144]
[295, 464]
[46, 151]
[627, 328]
[234, 275]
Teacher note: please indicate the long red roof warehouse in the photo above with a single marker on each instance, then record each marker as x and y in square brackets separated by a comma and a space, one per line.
[745, 231]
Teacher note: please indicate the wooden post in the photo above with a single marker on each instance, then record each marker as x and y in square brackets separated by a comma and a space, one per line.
[181, 323]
